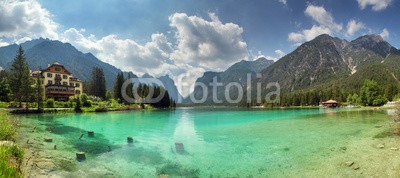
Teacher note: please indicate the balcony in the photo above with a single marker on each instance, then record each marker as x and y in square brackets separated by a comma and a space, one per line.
[60, 90]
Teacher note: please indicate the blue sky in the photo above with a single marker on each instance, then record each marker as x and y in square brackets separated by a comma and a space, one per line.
[266, 24]
[178, 37]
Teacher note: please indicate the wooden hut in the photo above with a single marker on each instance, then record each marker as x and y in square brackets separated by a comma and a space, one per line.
[331, 104]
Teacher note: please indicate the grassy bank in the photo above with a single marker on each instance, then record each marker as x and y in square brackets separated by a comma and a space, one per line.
[10, 154]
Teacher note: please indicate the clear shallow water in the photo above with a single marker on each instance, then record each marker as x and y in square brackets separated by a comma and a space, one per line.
[218, 142]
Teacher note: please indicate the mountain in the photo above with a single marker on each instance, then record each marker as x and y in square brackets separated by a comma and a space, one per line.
[170, 86]
[42, 52]
[327, 62]
[322, 64]
[237, 73]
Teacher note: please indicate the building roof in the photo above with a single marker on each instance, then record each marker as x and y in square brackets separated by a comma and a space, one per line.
[330, 101]
[57, 64]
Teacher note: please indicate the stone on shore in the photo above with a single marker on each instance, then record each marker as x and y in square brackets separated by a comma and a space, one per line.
[6, 143]
[380, 146]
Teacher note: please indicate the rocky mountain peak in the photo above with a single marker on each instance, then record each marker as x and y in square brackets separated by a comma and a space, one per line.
[374, 43]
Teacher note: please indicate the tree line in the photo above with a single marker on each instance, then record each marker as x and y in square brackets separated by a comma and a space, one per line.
[370, 94]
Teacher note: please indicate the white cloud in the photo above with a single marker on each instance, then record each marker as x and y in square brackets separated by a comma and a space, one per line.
[309, 34]
[377, 5]
[353, 26]
[284, 2]
[324, 18]
[126, 54]
[384, 34]
[25, 19]
[280, 53]
[3, 43]
[326, 25]
[207, 44]
[23, 40]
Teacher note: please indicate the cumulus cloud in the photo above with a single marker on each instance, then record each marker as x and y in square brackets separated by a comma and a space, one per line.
[280, 53]
[353, 26]
[3, 43]
[324, 18]
[126, 54]
[308, 34]
[384, 34]
[325, 21]
[377, 5]
[26, 18]
[208, 44]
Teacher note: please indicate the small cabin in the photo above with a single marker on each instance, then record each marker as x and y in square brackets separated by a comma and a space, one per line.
[331, 104]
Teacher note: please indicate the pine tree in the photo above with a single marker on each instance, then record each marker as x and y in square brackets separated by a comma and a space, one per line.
[129, 89]
[4, 90]
[98, 83]
[39, 90]
[119, 81]
[21, 81]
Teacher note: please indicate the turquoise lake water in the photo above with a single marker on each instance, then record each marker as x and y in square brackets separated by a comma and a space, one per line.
[217, 142]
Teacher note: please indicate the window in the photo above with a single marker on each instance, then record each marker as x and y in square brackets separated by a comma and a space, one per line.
[65, 83]
[49, 75]
[65, 77]
[78, 91]
[77, 85]
[58, 68]
[71, 84]
[58, 75]
[49, 82]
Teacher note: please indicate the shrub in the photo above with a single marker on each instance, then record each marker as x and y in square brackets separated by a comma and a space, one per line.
[50, 103]
[379, 101]
[78, 105]
[85, 101]
[13, 104]
[103, 107]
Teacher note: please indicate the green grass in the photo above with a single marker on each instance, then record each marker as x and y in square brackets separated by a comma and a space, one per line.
[10, 156]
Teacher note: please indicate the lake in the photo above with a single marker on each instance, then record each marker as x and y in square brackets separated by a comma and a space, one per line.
[218, 142]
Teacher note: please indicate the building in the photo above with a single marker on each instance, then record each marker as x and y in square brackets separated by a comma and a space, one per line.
[331, 104]
[59, 83]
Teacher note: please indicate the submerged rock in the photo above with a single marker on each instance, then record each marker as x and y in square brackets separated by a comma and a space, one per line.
[349, 163]
[381, 146]
[179, 147]
[394, 149]
[47, 139]
[80, 156]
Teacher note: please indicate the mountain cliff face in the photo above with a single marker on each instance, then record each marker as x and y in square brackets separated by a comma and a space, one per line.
[170, 86]
[237, 73]
[326, 59]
